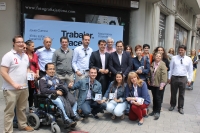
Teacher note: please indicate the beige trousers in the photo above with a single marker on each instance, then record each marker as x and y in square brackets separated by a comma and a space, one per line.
[18, 99]
[66, 79]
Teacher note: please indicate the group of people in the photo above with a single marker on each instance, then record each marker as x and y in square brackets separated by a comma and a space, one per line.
[121, 78]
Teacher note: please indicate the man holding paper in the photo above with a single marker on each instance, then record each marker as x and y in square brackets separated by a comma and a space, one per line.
[14, 68]
[89, 92]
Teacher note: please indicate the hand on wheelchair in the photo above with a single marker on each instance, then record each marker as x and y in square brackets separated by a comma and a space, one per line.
[60, 93]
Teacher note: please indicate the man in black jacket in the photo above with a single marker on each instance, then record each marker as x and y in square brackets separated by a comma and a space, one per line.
[50, 84]
[99, 59]
[120, 61]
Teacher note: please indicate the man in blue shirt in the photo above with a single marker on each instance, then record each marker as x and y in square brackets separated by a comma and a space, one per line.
[81, 58]
[45, 55]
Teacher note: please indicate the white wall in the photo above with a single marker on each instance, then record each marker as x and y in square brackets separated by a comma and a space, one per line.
[9, 26]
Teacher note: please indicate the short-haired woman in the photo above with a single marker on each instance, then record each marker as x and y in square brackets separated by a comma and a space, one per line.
[157, 82]
[115, 93]
[137, 95]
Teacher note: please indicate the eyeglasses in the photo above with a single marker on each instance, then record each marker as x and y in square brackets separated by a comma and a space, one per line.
[90, 86]
[181, 61]
[85, 52]
[19, 42]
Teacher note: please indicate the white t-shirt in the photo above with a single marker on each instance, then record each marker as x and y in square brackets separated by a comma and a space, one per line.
[17, 69]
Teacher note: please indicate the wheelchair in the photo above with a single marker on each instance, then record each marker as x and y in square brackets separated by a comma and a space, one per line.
[45, 113]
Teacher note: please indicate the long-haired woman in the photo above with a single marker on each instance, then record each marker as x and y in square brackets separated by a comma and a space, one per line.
[115, 94]
[34, 67]
[138, 97]
[129, 49]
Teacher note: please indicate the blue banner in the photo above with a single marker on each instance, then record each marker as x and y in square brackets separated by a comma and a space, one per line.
[36, 30]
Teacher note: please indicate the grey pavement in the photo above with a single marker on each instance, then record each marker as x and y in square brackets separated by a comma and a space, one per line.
[169, 122]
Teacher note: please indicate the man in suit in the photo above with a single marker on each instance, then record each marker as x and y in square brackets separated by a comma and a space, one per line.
[99, 60]
[120, 61]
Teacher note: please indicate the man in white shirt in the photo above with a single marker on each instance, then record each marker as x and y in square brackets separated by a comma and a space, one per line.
[180, 66]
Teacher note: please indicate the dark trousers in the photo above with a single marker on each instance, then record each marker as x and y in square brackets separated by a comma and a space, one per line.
[162, 95]
[157, 98]
[90, 106]
[30, 97]
[178, 83]
[103, 79]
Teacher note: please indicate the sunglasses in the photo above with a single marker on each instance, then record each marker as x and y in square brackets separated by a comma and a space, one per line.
[85, 52]
[181, 61]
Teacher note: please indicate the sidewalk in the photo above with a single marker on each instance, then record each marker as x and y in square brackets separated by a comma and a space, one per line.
[169, 122]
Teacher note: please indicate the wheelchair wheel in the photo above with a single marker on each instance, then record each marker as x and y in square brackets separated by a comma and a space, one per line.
[55, 129]
[33, 120]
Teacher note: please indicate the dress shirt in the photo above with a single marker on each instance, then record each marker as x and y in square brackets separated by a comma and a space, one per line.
[135, 91]
[110, 51]
[102, 55]
[44, 57]
[120, 57]
[178, 69]
[81, 58]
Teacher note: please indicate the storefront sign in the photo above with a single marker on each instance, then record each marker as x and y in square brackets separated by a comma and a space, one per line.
[36, 30]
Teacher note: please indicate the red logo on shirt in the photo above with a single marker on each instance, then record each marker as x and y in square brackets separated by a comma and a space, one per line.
[15, 59]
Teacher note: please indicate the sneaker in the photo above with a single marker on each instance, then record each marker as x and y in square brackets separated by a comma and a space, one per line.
[28, 129]
[152, 114]
[171, 108]
[69, 122]
[95, 116]
[77, 118]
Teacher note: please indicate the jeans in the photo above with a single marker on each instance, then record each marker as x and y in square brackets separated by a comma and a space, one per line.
[90, 106]
[59, 104]
[116, 108]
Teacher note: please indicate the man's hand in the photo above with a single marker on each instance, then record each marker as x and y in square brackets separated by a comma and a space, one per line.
[117, 100]
[17, 86]
[100, 101]
[101, 71]
[169, 81]
[59, 93]
[188, 83]
[139, 71]
[78, 73]
[70, 85]
[106, 71]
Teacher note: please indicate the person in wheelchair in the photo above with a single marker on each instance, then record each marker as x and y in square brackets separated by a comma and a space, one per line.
[51, 85]
[88, 88]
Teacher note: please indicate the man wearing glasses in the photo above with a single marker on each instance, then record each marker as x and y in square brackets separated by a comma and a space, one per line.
[81, 57]
[45, 55]
[180, 66]
[14, 68]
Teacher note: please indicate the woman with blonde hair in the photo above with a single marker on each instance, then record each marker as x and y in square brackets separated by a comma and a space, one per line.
[194, 58]
[137, 95]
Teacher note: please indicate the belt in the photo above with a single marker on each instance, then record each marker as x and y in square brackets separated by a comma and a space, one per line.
[179, 76]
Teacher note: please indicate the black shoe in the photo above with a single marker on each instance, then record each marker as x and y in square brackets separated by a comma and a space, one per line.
[102, 111]
[77, 118]
[95, 116]
[156, 116]
[15, 125]
[171, 108]
[140, 123]
[73, 125]
[69, 122]
[181, 111]
[152, 114]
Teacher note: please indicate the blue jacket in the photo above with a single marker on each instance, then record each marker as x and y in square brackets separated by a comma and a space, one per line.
[120, 92]
[83, 87]
[137, 64]
[142, 92]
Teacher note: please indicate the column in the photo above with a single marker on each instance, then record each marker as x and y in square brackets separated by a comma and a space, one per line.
[169, 33]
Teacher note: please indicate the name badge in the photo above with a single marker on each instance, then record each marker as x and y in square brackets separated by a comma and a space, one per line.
[30, 76]
[111, 95]
[97, 97]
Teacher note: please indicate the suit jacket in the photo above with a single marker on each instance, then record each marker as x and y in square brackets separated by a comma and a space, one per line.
[95, 61]
[126, 63]
[160, 75]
